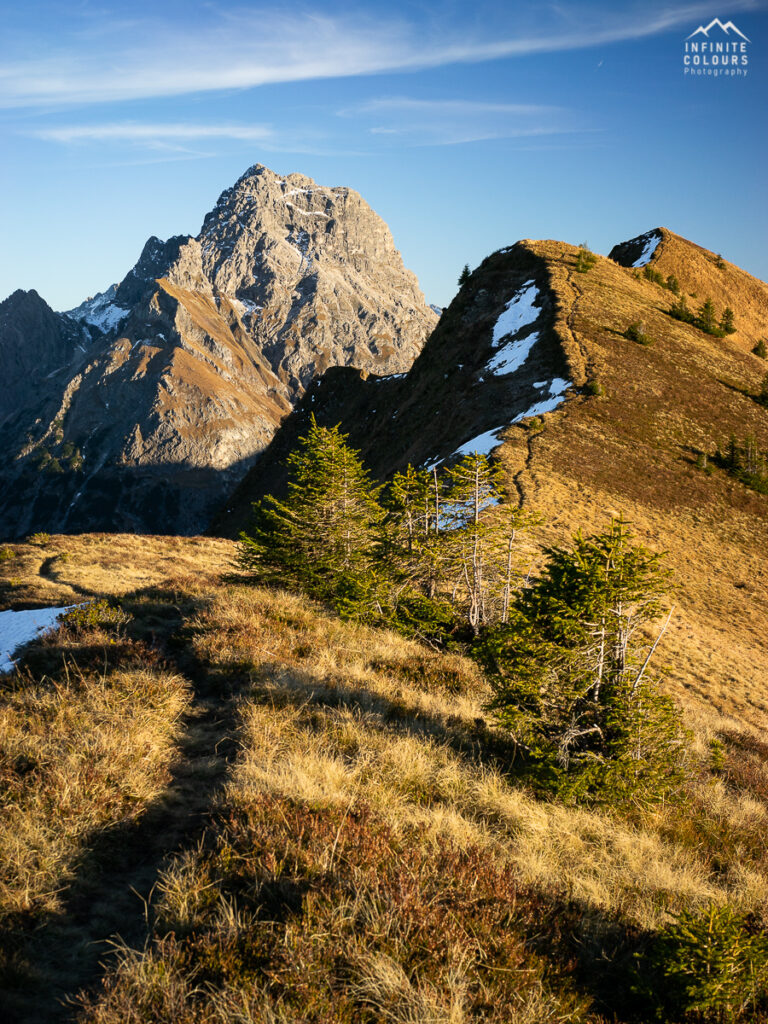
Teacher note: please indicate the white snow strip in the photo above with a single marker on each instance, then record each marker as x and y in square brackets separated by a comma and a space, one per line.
[559, 386]
[18, 628]
[306, 213]
[511, 356]
[483, 443]
[100, 311]
[106, 317]
[538, 408]
[650, 248]
[519, 312]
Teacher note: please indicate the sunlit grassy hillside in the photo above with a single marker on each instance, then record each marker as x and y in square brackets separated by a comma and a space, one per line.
[222, 803]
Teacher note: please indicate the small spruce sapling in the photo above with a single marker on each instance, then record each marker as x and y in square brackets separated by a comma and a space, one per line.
[636, 332]
[727, 325]
[706, 318]
[585, 260]
[673, 284]
[680, 311]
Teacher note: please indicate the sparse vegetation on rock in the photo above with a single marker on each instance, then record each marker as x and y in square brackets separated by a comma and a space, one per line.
[585, 260]
[636, 332]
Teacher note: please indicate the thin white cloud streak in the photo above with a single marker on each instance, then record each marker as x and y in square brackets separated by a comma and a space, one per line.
[451, 108]
[166, 138]
[418, 122]
[255, 48]
[154, 133]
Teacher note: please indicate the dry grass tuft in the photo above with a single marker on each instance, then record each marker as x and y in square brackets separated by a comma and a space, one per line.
[75, 756]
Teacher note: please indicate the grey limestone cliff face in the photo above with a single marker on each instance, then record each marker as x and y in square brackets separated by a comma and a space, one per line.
[151, 400]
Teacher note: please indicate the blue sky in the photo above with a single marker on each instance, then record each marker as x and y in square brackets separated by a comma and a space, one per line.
[465, 126]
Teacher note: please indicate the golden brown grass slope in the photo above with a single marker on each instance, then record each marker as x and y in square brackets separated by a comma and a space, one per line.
[223, 804]
[633, 450]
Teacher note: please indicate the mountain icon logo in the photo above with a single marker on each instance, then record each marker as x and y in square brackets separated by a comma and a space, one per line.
[727, 28]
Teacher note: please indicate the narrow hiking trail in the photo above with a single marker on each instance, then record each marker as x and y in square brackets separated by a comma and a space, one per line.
[108, 897]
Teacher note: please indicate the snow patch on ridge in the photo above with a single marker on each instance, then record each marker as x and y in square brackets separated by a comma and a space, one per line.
[651, 242]
[100, 311]
[518, 313]
[18, 628]
[511, 357]
[484, 444]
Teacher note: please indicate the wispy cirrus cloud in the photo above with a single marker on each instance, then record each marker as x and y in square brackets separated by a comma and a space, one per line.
[132, 131]
[245, 48]
[444, 122]
[175, 140]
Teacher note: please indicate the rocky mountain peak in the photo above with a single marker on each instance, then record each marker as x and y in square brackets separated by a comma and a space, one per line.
[155, 261]
[175, 379]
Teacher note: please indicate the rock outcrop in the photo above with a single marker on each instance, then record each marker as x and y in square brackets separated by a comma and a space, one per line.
[144, 405]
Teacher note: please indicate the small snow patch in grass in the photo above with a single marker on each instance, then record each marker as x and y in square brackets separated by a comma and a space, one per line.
[558, 386]
[557, 396]
[18, 628]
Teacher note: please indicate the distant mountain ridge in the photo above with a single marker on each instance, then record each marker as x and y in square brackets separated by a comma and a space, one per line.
[134, 410]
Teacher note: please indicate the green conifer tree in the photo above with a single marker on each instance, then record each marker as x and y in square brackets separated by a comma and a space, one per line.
[323, 536]
[706, 319]
[727, 325]
[474, 485]
[465, 275]
[673, 284]
[680, 311]
[570, 672]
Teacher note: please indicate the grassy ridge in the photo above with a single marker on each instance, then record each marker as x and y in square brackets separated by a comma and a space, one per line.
[321, 820]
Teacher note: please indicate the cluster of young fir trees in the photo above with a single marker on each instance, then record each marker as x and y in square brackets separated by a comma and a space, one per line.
[705, 318]
[746, 461]
[437, 556]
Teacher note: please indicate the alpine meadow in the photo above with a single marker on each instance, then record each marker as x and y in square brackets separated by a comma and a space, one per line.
[378, 649]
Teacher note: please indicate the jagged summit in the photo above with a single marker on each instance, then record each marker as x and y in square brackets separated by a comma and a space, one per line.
[183, 370]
